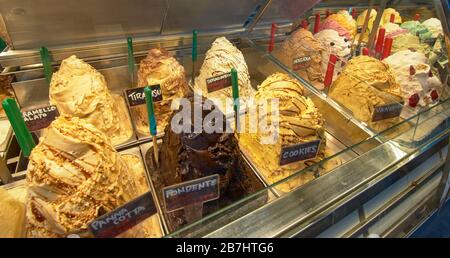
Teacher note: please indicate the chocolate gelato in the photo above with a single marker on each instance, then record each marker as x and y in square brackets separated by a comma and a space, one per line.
[188, 156]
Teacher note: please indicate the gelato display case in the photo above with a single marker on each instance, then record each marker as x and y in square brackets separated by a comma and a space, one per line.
[355, 143]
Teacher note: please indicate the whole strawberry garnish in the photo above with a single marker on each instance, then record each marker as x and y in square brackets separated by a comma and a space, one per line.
[414, 100]
[434, 95]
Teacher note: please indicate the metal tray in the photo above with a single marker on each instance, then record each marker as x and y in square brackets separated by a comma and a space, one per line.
[135, 151]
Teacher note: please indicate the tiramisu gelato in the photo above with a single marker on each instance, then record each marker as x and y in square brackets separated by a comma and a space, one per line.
[219, 59]
[299, 122]
[160, 68]
[77, 89]
[336, 45]
[186, 156]
[364, 84]
[74, 176]
[301, 44]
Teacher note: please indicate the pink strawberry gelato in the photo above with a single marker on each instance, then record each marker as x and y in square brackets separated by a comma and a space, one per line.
[331, 24]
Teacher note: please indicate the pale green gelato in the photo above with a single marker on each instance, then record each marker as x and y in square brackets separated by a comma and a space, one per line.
[416, 28]
[411, 42]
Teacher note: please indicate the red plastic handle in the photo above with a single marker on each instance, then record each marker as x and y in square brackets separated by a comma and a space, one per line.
[305, 24]
[354, 13]
[380, 40]
[330, 71]
[392, 20]
[317, 24]
[365, 51]
[328, 13]
[272, 37]
[387, 47]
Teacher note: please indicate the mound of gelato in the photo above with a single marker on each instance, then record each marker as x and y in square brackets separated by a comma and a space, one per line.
[336, 45]
[160, 68]
[77, 89]
[302, 44]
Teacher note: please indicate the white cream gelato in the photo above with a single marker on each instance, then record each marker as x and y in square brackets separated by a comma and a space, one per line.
[220, 58]
[434, 26]
[336, 45]
[414, 76]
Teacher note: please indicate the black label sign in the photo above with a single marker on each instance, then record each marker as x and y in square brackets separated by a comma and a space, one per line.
[359, 30]
[299, 152]
[136, 96]
[301, 63]
[218, 82]
[195, 191]
[386, 111]
[40, 118]
[124, 217]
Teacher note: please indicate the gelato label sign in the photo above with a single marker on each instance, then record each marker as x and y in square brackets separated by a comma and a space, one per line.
[386, 111]
[196, 191]
[301, 63]
[218, 82]
[136, 96]
[299, 152]
[124, 217]
[40, 118]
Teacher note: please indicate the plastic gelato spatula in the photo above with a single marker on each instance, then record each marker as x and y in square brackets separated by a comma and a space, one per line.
[194, 52]
[45, 59]
[235, 89]
[131, 60]
[272, 38]
[2, 45]
[317, 24]
[23, 136]
[152, 121]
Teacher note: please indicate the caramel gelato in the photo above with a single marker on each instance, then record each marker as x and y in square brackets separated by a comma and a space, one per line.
[159, 67]
[74, 176]
[77, 89]
[299, 122]
[364, 84]
[219, 59]
[301, 43]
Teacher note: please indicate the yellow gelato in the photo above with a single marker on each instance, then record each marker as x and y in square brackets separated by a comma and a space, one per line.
[160, 68]
[12, 216]
[74, 176]
[364, 84]
[77, 89]
[386, 18]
